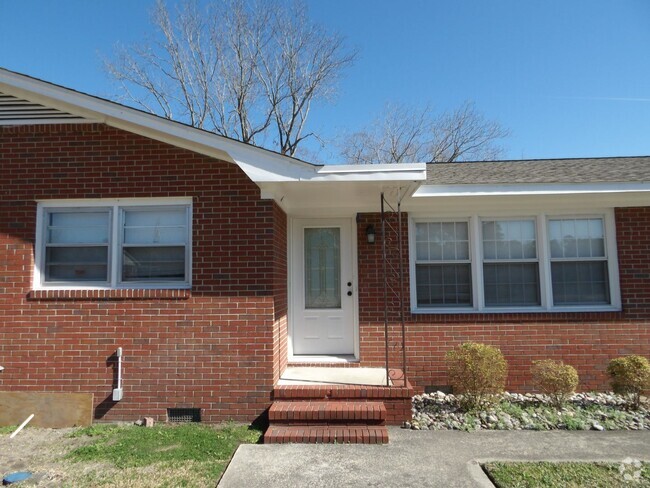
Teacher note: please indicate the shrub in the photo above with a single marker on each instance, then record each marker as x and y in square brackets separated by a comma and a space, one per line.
[555, 379]
[477, 372]
[630, 376]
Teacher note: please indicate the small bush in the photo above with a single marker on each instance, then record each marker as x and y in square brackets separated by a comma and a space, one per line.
[477, 372]
[630, 376]
[555, 379]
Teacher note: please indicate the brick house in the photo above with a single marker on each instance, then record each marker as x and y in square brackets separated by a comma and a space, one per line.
[222, 269]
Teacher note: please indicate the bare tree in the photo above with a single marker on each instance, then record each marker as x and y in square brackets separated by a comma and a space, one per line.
[249, 70]
[465, 135]
[407, 136]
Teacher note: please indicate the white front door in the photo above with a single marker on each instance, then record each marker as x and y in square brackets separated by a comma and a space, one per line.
[322, 287]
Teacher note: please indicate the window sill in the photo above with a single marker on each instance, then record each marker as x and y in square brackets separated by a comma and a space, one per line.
[109, 294]
[513, 310]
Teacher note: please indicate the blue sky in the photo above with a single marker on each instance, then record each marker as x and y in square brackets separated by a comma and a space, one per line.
[568, 78]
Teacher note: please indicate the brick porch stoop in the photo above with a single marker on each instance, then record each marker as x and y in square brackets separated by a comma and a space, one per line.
[326, 413]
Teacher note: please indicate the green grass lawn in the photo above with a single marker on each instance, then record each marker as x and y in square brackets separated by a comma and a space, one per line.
[568, 475]
[191, 455]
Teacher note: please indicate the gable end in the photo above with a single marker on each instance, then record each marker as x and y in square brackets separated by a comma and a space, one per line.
[17, 111]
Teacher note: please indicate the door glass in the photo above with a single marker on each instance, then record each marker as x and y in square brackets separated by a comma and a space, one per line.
[323, 268]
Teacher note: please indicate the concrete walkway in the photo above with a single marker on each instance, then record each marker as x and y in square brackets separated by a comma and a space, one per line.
[421, 458]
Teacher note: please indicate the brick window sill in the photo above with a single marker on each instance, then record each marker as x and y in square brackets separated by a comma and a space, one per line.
[121, 294]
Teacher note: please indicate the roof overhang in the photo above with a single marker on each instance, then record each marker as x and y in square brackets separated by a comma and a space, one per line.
[260, 165]
[433, 191]
[527, 197]
[305, 187]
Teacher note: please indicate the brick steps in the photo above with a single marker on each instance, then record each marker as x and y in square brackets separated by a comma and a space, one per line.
[326, 434]
[337, 413]
[327, 422]
[343, 412]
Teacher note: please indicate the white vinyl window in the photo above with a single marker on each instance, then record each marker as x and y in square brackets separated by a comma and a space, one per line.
[117, 245]
[510, 264]
[578, 261]
[443, 273]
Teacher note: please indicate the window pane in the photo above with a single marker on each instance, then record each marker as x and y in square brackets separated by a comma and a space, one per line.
[444, 285]
[153, 263]
[173, 216]
[509, 239]
[165, 226]
[577, 283]
[489, 250]
[422, 251]
[323, 268]
[511, 284]
[421, 232]
[154, 235]
[77, 227]
[442, 241]
[461, 231]
[449, 251]
[76, 264]
[435, 251]
[577, 238]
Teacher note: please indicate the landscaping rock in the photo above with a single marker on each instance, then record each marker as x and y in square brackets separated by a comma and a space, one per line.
[515, 411]
[597, 426]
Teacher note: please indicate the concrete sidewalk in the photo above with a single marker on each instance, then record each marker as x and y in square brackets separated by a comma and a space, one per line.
[422, 458]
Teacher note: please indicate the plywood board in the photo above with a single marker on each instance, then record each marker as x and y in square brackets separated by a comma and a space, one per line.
[52, 410]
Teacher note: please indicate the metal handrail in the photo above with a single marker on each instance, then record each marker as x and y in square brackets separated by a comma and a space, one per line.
[391, 271]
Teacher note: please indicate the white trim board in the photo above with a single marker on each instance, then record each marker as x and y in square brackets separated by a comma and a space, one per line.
[427, 190]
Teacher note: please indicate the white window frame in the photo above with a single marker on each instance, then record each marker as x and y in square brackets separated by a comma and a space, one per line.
[115, 208]
[543, 257]
[469, 260]
[535, 260]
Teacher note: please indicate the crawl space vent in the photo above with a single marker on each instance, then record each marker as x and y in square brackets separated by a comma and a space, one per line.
[182, 415]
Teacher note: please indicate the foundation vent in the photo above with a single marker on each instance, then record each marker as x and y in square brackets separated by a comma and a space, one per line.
[184, 415]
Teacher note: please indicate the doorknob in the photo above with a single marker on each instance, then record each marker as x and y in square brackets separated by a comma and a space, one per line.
[349, 293]
[349, 283]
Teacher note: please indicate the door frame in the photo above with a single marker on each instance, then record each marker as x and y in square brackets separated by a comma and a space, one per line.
[297, 288]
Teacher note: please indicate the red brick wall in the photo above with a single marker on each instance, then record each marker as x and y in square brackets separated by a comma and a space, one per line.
[211, 347]
[585, 340]
[280, 305]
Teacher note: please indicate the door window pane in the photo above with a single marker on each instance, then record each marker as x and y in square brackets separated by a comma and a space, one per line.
[322, 268]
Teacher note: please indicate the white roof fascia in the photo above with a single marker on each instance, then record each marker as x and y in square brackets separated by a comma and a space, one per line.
[371, 168]
[528, 189]
[259, 164]
[371, 172]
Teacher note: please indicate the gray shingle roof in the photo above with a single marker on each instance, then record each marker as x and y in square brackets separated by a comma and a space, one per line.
[582, 170]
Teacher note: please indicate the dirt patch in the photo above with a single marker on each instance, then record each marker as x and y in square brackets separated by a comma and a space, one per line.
[39, 451]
